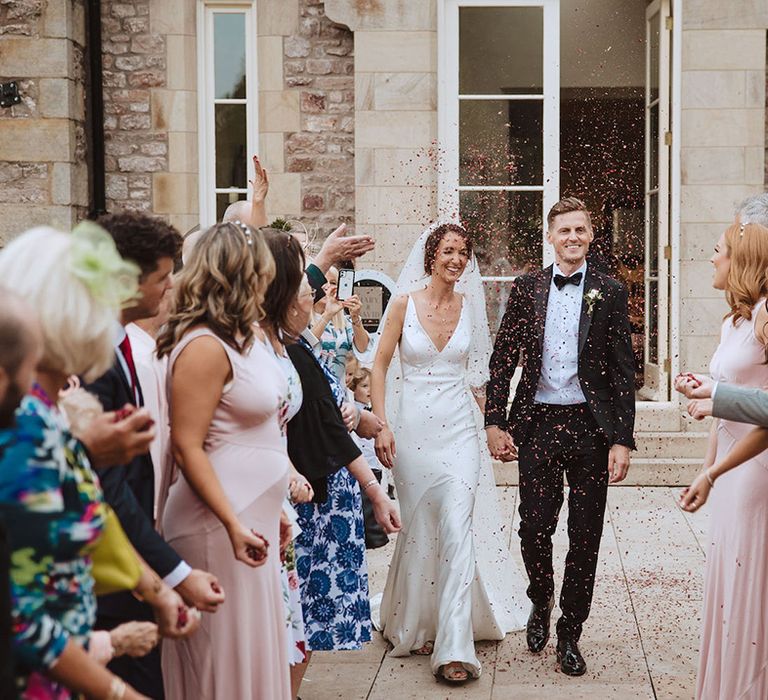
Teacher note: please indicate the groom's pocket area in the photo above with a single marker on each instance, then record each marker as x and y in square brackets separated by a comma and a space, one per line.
[604, 394]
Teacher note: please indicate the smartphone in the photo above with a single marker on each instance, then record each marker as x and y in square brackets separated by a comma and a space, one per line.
[345, 288]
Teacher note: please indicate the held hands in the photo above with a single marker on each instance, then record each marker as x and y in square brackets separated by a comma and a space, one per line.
[384, 509]
[500, 444]
[700, 408]
[134, 638]
[618, 463]
[201, 590]
[174, 619]
[299, 488]
[696, 495]
[249, 547]
[369, 425]
[694, 386]
[349, 414]
[118, 436]
[385, 447]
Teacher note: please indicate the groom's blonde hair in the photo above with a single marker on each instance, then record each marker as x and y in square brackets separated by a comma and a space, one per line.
[566, 206]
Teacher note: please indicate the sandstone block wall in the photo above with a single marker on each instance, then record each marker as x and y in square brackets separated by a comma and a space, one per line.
[43, 172]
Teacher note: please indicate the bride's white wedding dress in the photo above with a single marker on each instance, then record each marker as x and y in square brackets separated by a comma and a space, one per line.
[451, 579]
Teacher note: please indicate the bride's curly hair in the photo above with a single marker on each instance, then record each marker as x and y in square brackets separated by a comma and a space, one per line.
[433, 243]
[222, 287]
[747, 282]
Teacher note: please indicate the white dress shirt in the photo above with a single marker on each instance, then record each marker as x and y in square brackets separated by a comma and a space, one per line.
[182, 569]
[559, 379]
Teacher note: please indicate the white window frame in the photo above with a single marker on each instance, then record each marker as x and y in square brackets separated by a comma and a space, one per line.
[448, 110]
[206, 102]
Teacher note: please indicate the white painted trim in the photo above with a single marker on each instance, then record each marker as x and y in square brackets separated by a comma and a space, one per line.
[448, 99]
[675, 184]
[206, 102]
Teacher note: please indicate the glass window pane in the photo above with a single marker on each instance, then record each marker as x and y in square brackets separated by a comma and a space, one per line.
[653, 235]
[653, 152]
[653, 27]
[501, 50]
[500, 142]
[506, 229]
[496, 297]
[231, 141]
[229, 54]
[223, 200]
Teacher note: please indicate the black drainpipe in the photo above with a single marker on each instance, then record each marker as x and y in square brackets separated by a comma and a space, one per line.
[94, 112]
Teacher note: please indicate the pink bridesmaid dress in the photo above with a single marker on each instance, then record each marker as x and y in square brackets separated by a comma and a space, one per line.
[241, 651]
[733, 662]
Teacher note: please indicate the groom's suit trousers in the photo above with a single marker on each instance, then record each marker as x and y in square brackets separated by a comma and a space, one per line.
[563, 439]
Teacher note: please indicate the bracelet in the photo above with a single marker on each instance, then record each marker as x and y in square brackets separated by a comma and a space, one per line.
[116, 689]
[358, 322]
[368, 484]
[709, 479]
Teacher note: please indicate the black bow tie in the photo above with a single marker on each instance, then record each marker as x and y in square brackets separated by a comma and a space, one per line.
[561, 280]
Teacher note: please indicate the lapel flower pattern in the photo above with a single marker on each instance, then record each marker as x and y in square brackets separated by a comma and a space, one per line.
[592, 297]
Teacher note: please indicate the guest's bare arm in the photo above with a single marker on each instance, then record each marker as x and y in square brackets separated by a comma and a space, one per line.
[199, 375]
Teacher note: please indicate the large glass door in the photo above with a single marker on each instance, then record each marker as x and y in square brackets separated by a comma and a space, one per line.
[499, 131]
[658, 140]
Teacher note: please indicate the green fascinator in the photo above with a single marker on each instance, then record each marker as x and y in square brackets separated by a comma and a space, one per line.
[94, 260]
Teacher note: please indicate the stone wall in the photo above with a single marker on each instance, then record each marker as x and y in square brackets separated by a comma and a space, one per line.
[43, 172]
[133, 64]
[319, 64]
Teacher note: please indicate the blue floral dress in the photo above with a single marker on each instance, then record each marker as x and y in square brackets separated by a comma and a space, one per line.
[330, 561]
[335, 344]
[51, 502]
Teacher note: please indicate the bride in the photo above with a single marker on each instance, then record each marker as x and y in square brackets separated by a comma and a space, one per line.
[450, 581]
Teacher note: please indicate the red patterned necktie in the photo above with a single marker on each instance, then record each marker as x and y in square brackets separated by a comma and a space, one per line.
[125, 348]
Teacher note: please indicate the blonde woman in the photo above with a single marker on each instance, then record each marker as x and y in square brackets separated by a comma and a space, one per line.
[734, 640]
[226, 398]
[49, 496]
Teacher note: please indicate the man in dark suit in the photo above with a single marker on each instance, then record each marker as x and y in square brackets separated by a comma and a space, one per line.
[130, 488]
[573, 412]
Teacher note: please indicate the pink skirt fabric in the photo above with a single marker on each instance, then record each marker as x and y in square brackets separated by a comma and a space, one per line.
[733, 664]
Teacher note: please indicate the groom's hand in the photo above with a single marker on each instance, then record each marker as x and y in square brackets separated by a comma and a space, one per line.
[500, 444]
[618, 463]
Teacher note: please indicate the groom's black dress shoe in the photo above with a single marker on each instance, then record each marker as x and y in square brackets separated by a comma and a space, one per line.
[569, 657]
[537, 629]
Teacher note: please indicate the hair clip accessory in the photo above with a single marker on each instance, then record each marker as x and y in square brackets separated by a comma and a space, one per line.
[94, 260]
[246, 230]
[741, 230]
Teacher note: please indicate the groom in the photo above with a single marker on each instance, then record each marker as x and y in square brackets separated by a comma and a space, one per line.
[573, 412]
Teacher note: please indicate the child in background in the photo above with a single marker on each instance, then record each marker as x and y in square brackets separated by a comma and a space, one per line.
[359, 384]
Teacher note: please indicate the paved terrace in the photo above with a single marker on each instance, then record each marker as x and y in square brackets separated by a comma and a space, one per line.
[640, 642]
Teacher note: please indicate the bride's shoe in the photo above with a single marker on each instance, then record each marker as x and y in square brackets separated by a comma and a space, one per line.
[454, 672]
[426, 650]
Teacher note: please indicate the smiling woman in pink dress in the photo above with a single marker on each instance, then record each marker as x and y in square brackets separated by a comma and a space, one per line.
[733, 662]
[226, 393]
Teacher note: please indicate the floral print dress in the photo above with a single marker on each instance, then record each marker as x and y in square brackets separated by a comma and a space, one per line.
[51, 502]
[330, 560]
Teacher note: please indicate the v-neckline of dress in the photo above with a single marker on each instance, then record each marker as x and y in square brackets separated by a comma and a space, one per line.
[424, 330]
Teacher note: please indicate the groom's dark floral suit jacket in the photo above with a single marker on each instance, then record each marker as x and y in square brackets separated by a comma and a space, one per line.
[606, 364]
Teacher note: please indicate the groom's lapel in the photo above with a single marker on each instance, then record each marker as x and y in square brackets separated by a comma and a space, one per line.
[590, 282]
[541, 287]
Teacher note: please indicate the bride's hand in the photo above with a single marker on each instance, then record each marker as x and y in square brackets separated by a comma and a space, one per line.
[385, 447]
[384, 510]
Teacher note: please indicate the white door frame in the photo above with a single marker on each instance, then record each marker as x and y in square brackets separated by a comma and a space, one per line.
[448, 99]
[206, 110]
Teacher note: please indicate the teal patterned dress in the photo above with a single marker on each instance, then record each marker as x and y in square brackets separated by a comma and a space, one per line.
[51, 502]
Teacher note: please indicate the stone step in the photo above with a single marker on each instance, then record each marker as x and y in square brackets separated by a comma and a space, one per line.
[657, 417]
[642, 472]
[665, 445]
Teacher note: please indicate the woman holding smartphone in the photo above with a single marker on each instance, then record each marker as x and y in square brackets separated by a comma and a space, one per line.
[338, 332]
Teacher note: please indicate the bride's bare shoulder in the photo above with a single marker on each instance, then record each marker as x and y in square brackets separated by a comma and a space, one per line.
[399, 303]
